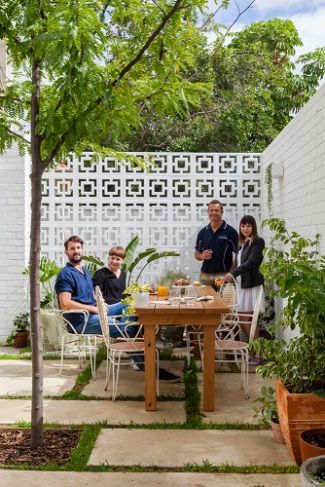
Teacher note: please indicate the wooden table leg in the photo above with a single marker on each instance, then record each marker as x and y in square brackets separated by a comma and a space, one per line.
[150, 368]
[208, 369]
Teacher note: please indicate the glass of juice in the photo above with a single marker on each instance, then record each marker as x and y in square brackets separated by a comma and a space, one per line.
[162, 291]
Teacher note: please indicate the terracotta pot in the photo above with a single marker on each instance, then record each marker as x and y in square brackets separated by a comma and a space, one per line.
[311, 467]
[309, 449]
[298, 412]
[277, 433]
[21, 339]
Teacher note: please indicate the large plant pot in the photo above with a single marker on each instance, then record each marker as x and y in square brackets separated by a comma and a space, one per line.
[50, 329]
[310, 468]
[298, 412]
[308, 448]
[21, 339]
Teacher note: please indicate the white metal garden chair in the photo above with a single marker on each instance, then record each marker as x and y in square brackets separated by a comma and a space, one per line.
[122, 347]
[229, 325]
[227, 347]
[85, 344]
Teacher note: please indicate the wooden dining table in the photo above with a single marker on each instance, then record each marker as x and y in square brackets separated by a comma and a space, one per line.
[204, 313]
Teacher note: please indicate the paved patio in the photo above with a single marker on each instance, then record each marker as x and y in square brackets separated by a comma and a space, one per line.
[160, 447]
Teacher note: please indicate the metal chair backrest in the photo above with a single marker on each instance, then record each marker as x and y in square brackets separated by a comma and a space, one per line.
[102, 316]
[255, 314]
[229, 292]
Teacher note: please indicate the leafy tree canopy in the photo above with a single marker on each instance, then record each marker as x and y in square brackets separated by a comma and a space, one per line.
[99, 64]
[256, 90]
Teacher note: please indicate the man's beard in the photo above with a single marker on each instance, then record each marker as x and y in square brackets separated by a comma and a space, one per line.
[75, 259]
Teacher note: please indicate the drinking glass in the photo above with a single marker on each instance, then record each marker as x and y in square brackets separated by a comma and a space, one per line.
[191, 295]
[162, 291]
[218, 281]
[175, 295]
[210, 252]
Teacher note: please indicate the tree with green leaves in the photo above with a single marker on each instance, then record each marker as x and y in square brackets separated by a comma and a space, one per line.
[257, 89]
[82, 69]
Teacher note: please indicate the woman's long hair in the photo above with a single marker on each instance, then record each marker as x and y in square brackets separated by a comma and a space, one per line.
[248, 220]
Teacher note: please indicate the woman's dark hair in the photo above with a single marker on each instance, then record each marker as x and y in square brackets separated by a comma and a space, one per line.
[248, 220]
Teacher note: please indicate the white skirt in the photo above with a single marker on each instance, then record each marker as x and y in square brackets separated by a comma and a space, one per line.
[247, 298]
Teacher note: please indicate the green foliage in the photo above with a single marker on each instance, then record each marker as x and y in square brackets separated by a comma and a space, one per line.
[269, 185]
[266, 410]
[100, 69]
[297, 272]
[171, 276]
[255, 90]
[192, 394]
[48, 269]
[92, 263]
[148, 255]
[21, 323]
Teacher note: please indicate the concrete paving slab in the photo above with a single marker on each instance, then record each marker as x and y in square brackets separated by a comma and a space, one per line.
[174, 448]
[9, 350]
[16, 377]
[230, 403]
[131, 382]
[78, 412]
[169, 479]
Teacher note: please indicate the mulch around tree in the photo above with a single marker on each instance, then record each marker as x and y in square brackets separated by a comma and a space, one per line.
[57, 446]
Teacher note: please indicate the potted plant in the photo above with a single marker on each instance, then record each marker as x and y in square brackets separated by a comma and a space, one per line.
[19, 337]
[297, 272]
[312, 443]
[48, 270]
[266, 412]
[137, 295]
[313, 472]
[49, 314]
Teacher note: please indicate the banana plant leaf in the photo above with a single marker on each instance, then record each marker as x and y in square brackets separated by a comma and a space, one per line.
[155, 256]
[130, 252]
[93, 263]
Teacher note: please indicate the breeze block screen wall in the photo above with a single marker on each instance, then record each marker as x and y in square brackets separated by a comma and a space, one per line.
[107, 202]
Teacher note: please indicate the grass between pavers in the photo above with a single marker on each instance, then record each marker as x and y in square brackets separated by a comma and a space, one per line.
[80, 456]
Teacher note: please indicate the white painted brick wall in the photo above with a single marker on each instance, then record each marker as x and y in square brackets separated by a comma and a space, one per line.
[299, 196]
[14, 221]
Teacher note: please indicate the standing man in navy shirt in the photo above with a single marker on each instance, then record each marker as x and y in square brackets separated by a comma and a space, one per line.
[216, 245]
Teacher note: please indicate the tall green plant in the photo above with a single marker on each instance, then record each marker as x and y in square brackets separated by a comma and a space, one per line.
[143, 259]
[297, 272]
[48, 269]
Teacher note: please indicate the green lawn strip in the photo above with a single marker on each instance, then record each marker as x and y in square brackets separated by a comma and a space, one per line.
[192, 394]
[89, 434]
[205, 467]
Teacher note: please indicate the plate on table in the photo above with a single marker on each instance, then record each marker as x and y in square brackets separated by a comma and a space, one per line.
[162, 301]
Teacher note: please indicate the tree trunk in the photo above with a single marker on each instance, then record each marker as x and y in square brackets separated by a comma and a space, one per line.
[34, 261]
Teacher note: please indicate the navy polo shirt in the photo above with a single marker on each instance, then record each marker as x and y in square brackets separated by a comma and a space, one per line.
[79, 284]
[223, 242]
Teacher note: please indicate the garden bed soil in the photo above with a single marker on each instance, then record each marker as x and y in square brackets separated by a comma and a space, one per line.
[57, 447]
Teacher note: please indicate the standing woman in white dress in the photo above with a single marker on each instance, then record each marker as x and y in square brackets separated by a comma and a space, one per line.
[247, 272]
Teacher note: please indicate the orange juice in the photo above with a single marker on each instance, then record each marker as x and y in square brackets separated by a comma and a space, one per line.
[162, 291]
[218, 281]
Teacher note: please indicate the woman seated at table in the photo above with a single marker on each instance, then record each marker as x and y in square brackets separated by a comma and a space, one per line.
[112, 283]
[112, 279]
